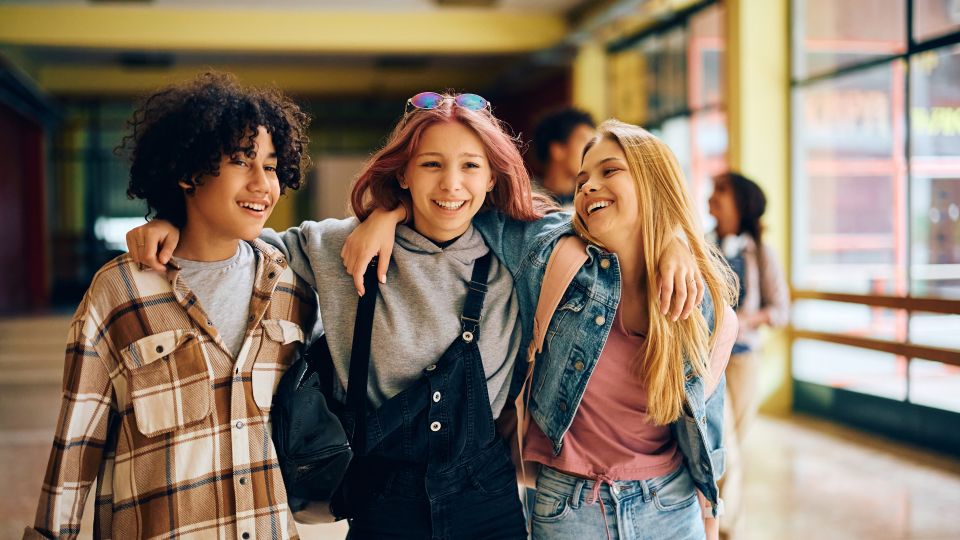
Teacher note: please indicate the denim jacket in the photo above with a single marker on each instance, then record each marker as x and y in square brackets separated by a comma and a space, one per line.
[577, 334]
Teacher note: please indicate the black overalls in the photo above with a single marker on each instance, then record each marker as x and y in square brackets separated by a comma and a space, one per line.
[434, 465]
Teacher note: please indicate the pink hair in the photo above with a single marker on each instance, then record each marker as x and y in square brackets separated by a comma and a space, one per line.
[377, 185]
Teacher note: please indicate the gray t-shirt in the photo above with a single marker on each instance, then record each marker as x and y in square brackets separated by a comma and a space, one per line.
[224, 289]
[417, 313]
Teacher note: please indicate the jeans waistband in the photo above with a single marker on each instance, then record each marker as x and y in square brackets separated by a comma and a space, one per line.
[580, 489]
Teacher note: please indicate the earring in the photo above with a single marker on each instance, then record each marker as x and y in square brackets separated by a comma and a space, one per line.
[402, 184]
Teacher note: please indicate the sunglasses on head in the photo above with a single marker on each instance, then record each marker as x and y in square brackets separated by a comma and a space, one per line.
[432, 100]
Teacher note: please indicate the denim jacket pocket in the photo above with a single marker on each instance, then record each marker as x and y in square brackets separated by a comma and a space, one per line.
[169, 381]
[573, 302]
[280, 340]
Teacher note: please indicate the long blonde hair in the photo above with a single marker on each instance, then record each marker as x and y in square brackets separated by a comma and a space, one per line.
[665, 208]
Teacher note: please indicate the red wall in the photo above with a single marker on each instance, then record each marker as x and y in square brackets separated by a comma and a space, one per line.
[522, 110]
[23, 269]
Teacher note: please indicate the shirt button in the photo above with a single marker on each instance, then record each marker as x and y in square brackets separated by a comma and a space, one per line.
[271, 275]
[600, 320]
[159, 348]
[435, 426]
[250, 318]
[239, 424]
[578, 365]
[209, 322]
[604, 263]
[563, 405]
[703, 420]
[431, 367]
[436, 397]
[245, 535]
[243, 481]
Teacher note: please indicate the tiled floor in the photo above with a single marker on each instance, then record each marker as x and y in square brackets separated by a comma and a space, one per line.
[806, 478]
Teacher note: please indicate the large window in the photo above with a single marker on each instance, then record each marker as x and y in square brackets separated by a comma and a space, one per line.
[88, 195]
[876, 198]
[670, 80]
[90, 212]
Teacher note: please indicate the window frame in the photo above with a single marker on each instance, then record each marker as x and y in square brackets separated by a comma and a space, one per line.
[846, 405]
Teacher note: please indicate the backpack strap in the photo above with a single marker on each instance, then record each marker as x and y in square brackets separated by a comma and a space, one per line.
[568, 256]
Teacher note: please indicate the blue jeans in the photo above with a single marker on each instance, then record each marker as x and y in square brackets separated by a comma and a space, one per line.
[660, 508]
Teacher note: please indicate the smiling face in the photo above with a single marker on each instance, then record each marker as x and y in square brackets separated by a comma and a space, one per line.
[448, 176]
[606, 196]
[235, 204]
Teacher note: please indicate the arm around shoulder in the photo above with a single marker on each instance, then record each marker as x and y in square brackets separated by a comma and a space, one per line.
[304, 245]
[512, 241]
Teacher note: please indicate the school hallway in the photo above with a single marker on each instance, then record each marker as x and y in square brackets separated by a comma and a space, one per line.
[806, 478]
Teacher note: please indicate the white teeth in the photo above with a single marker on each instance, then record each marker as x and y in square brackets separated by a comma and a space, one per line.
[253, 206]
[449, 205]
[597, 205]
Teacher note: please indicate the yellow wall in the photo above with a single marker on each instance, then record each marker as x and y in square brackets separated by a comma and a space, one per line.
[758, 106]
[65, 79]
[590, 80]
[263, 35]
[153, 28]
[284, 215]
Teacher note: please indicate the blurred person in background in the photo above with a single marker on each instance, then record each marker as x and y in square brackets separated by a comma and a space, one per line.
[738, 204]
[558, 140]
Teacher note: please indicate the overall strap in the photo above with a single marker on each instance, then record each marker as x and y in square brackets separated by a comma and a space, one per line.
[360, 358]
[473, 307]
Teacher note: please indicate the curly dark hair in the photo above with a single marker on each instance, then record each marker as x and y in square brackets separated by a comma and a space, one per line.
[557, 127]
[180, 133]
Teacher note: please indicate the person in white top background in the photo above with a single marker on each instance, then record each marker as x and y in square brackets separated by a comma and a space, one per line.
[738, 204]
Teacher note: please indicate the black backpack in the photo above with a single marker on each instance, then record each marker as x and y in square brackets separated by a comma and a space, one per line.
[312, 431]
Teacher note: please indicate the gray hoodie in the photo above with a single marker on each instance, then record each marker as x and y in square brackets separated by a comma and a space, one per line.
[418, 310]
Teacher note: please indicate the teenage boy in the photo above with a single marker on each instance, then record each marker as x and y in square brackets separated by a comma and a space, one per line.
[169, 376]
[558, 140]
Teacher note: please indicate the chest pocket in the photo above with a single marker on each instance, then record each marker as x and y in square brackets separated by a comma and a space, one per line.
[573, 302]
[169, 381]
[281, 340]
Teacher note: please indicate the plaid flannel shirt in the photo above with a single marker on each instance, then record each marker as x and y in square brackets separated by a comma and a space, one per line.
[174, 429]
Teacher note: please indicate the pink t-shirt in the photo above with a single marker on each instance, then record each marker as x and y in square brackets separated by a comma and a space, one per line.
[611, 436]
